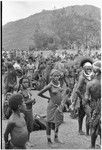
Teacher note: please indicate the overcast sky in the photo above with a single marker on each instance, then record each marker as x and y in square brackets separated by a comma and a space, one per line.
[15, 10]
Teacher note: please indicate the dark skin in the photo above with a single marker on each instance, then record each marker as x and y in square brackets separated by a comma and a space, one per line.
[11, 75]
[93, 90]
[80, 91]
[54, 81]
[25, 84]
[43, 91]
[17, 125]
[8, 130]
[55, 84]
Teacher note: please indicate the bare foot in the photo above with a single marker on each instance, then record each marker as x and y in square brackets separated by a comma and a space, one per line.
[52, 145]
[87, 134]
[56, 140]
[29, 144]
[81, 133]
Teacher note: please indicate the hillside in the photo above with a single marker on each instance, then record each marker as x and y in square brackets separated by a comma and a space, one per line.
[69, 20]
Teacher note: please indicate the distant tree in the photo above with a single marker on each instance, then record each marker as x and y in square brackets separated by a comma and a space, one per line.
[45, 40]
[66, 30]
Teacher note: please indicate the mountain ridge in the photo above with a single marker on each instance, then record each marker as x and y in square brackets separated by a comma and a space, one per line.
[18, 34]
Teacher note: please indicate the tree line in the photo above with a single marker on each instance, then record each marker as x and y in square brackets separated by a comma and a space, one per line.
[66, 30]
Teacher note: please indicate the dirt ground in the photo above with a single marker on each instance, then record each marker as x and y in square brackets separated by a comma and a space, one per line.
[68, 132]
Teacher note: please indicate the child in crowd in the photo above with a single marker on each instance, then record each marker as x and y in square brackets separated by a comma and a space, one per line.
[10, 79]
[27, 98]
[16, 126]
[55, 99]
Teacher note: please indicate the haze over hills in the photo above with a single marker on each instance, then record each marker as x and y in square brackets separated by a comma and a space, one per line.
[19, 34]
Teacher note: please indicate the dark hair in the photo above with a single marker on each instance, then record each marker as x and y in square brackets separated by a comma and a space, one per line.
[21, 81]
[30, 57]
[3, 60]
[84, 60]
[9, 66]
[14, 101]
[97, 70]
[68, 91]
[24, 77]
[18, 61]
[8, 94]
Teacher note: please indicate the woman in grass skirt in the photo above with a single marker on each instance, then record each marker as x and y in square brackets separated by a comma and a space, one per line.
[55, 99]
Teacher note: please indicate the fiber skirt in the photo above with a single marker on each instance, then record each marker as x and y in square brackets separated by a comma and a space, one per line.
[54, 115]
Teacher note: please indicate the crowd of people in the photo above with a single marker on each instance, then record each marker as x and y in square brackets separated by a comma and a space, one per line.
[73, 82]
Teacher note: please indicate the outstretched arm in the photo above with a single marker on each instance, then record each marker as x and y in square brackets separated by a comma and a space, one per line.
[46, 88]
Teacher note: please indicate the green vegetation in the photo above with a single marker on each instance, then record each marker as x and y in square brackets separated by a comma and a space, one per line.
[66, 28]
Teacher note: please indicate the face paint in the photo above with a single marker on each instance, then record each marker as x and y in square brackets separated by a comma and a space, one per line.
[88, 75]
[88, 71]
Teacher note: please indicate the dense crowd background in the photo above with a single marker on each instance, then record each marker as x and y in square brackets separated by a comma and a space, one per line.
[44, 62]
[19, 68]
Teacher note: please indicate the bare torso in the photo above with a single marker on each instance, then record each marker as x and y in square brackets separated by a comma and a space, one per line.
[19, 134]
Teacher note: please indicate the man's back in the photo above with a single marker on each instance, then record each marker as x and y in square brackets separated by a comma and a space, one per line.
[95, 89]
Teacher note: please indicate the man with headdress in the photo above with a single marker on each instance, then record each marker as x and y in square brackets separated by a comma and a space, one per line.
[93, 94]
[84, 78]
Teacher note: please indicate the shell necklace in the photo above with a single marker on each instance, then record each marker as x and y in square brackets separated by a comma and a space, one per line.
[56, 85]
